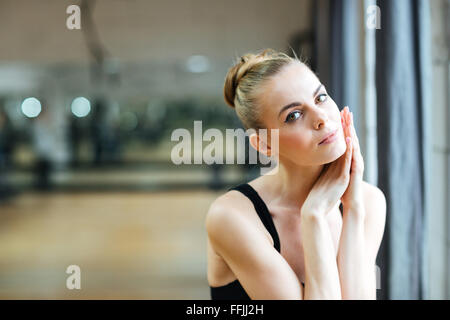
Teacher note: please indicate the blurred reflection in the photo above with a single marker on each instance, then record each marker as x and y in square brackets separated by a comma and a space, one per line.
[43, 144]
[6, 150]
[104, 134]
[122, 210]
[75, 139]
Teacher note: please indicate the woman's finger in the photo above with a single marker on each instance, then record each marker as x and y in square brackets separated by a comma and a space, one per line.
[351, 129]
[355, 158]
[344, 122]
[344, 126]
[347, 121]
[347, 160]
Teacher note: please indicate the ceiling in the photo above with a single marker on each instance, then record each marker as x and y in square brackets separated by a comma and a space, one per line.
[147, 43]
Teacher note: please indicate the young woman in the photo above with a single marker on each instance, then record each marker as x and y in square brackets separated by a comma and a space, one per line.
[312, 229]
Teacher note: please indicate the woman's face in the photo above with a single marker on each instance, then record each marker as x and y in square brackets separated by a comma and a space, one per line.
[295, 102]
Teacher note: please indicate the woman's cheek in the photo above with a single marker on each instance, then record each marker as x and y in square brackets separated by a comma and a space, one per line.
[293, 144]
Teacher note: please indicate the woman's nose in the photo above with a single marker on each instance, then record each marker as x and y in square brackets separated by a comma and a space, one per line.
[320, 118]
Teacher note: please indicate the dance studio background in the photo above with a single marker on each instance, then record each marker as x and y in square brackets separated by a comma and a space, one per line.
[86, 176]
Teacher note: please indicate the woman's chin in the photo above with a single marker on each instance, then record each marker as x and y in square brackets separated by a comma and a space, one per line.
[336, 151]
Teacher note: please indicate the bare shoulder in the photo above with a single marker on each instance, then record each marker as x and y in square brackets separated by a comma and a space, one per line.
[231, 212]
[237, 236]
[374, 198]
[375, 207]
[232, 218]
[226, 206]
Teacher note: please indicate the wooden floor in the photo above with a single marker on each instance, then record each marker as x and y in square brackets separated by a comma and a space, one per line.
[142, 245]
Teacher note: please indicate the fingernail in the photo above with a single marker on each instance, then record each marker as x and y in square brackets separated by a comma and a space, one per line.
[348, 139]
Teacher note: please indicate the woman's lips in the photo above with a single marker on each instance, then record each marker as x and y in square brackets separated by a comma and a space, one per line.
[329, 138]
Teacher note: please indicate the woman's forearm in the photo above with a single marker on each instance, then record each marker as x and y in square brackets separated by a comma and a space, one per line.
[321, 271]
[355, 272]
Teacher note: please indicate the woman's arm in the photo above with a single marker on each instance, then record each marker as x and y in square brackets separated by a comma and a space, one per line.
[355, 271]
[363, 226]
[321, 271]
[361, 236]
[322, 275]
[352, 261]
[260, 268]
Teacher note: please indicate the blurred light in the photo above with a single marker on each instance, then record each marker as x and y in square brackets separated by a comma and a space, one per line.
[155, 111]
[81, 107]
[31, 107]
[129, 121]
[197, 64]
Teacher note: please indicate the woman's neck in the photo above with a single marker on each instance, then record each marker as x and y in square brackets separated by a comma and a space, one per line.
[292, 183]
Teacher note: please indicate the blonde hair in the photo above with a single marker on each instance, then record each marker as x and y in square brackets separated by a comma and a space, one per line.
[245, 77]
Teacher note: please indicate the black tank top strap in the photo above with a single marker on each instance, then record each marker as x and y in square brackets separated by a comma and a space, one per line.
[261, 210]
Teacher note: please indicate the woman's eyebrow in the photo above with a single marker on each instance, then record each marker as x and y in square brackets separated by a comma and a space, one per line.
[317, 90]
[294, 104]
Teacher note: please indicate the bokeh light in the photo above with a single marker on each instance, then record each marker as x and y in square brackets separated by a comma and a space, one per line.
[31, 107]
[81, 107]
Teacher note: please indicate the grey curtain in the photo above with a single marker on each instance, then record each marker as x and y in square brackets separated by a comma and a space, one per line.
[403, 86]
[337, 47]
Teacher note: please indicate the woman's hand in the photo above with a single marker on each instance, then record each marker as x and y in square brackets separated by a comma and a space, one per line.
[331, 184]
[352, 197]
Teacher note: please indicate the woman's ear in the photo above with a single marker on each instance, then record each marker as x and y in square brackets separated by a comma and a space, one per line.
[260, 145]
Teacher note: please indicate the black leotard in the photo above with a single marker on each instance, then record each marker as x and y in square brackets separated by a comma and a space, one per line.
[234, 289]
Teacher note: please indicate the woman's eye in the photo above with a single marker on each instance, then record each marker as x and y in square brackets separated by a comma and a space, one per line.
[321, 98]
[293, 116]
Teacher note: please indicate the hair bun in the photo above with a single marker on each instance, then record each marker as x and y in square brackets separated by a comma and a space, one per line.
[240, 69]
